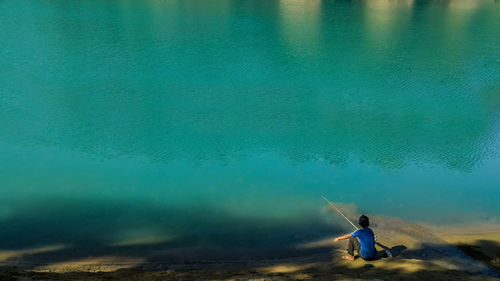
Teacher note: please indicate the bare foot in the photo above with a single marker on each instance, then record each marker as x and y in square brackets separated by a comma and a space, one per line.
[348, 257]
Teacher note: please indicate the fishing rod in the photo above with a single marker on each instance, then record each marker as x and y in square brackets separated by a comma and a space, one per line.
[337, 209]
[387, 251]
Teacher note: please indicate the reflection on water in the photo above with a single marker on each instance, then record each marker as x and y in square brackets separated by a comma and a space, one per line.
[386, 21]
[300, 20]
[208, 121]
[379, 93]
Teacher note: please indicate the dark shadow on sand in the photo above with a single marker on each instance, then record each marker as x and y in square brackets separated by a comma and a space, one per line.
[486, 251]
[394, 251]
[318, 269]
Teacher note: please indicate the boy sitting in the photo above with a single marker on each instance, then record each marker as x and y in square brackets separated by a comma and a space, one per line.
[365, 246]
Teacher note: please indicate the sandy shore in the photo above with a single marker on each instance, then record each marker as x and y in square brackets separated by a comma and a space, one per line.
[483, 246]
[420, 253]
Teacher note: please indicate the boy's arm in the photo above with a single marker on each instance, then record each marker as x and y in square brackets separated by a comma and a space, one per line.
[347, 236]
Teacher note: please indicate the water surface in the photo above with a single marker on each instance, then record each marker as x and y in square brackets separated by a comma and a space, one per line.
[220, 123]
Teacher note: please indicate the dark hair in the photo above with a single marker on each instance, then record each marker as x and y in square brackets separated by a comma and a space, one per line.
[364, 221]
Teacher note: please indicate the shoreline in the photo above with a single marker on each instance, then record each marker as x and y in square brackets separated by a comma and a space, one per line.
[419, 253]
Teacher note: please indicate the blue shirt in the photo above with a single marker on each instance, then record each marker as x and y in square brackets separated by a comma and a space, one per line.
[367, 241]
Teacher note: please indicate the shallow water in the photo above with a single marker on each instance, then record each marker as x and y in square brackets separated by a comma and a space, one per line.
[195, 122]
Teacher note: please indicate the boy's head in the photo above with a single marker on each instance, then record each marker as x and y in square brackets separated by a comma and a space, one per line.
[364, 222]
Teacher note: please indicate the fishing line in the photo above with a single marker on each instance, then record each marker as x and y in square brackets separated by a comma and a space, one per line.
[336, 209]
[387, 251]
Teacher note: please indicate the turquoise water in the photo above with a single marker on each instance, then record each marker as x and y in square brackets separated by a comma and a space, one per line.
[219, 123]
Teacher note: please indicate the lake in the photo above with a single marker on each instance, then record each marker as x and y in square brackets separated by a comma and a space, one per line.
[221, 123]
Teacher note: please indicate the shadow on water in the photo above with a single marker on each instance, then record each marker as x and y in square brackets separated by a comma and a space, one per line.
[153, 232]
[155, 238]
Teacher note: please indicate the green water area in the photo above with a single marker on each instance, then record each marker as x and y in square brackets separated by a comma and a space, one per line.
[218, 124]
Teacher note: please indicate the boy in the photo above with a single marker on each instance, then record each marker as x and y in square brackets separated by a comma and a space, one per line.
[365, 246]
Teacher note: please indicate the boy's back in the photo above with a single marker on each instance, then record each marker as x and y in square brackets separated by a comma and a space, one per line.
[367, 241]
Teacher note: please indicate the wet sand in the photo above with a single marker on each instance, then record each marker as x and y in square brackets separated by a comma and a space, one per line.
[311, 268]
[420, 253]
[483, 246]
